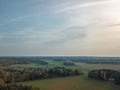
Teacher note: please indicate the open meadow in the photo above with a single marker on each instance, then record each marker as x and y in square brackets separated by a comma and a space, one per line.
[72, 83]
[99, 66]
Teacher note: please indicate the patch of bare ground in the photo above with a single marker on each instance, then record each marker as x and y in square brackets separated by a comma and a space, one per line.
[99, 66]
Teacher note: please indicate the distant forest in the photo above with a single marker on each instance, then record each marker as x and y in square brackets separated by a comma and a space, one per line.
[90, 60]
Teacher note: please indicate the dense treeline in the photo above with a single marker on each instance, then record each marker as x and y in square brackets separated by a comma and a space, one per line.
[18, 61]
[11, 76]
[107, 75]
[117, 78]
[89, 60]
[17, 87]
[98, 60]
[83, 59]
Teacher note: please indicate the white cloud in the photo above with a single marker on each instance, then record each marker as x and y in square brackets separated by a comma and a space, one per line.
[97, 17]
[75, 6]
[92, 29]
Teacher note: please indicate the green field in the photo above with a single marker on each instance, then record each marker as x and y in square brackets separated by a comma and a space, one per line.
[72, 83]
[51, 64]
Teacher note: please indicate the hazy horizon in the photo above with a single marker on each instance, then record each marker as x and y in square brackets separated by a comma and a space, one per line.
[60, 28]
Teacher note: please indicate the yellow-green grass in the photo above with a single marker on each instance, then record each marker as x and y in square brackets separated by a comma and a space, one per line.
[72, 83]
[51, 64]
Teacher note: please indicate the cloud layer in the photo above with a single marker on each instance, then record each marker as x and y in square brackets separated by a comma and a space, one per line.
[60, 27]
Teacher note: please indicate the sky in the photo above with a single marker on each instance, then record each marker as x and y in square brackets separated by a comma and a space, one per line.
[59, 27]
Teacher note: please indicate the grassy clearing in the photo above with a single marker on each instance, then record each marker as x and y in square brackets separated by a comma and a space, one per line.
[51, 64]
[31, 65]
[72, 83]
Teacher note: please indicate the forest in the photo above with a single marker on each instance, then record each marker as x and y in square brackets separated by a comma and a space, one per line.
[13, 76]
[17, 87]
[83, 59]
[107, 75]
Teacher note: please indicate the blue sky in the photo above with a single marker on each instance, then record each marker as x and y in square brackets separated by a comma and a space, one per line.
[59, 27]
